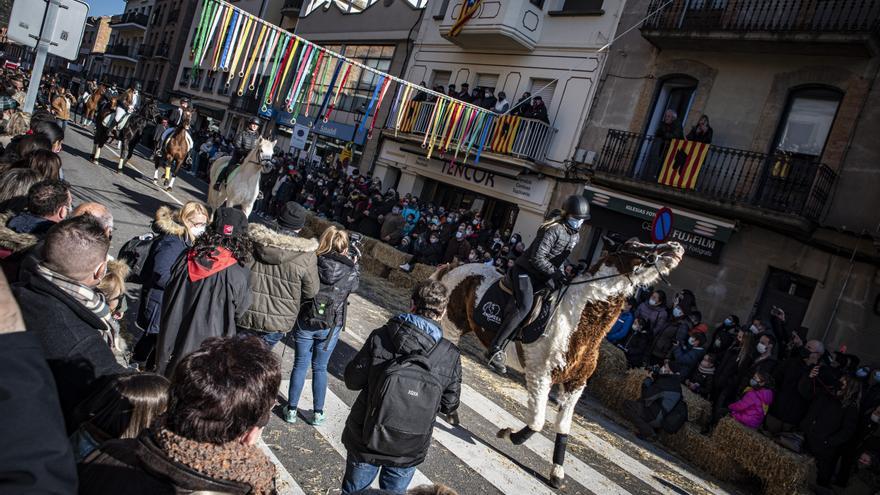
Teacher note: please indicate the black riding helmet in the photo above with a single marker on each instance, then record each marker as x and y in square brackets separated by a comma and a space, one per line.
[254, 120]
[135, 86]
[576, 206]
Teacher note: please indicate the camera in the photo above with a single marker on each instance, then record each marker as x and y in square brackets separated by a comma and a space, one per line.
[354, 244]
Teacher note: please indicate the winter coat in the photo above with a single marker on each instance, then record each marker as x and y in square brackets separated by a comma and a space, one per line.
[751, 408]
[203, 299]
[655, 316]
[164, 253]
[284, 273]
[392, 228]
[828, 423]
[457, 249]
[61, 107]
[13, 247]
[790, 406]
[25, 223]
[403, 335]
[686, 358]
[139, 466]
[37, 448]
[664, 337]
[246, 140]
[77, 354]
[428, 253]
[703, 382]
[722, 339]
[637, 346]
[659, 395]
[621, 327]
[544, 257]
[339, 277]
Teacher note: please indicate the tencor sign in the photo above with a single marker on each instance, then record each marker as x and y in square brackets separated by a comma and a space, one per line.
[26, 25]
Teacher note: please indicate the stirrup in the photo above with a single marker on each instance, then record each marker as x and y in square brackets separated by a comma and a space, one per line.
[496, 361]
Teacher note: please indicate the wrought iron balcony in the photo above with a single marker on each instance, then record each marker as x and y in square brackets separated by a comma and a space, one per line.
[828, 26]
[509, 25]
[782, 182]
[122, 51]
[131, 20]
[530, 138]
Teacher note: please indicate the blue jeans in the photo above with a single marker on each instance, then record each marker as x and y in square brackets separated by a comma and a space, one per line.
[312, 347]
[359, 476]
[270, 339]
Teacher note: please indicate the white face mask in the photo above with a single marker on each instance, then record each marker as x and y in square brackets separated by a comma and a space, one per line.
[753, 382]
[875, 418]
[761, 348]
[653, 301]
[677, 312]
[692, 341]
[197, 231]
[754, 329]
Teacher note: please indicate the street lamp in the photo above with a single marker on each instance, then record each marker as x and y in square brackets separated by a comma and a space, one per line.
[358, 118]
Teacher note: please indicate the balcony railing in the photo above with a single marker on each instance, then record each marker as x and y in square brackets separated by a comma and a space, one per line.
[782, 182]
[765, 15]
[135, 18]
[122, 51]
[530, 139]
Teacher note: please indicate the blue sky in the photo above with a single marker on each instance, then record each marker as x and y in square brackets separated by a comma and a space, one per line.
[105, 7]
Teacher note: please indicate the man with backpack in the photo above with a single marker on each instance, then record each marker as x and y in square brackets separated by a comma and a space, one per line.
[406, 373]
[660, 407]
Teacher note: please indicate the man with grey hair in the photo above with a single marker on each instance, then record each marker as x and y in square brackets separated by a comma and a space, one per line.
[789, 406]
[70, 317]
[100, 212]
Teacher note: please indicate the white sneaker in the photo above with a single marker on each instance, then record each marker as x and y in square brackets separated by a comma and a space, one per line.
[405, 267]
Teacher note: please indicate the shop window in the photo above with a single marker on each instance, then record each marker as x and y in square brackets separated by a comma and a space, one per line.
[807, 121]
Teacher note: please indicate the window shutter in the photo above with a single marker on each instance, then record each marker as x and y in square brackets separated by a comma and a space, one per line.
[441, 78]
[487, 81]
[546, 94]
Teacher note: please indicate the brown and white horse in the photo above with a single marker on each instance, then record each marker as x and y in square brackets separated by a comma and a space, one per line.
[567, 354]
[90, 107]
[175, 151]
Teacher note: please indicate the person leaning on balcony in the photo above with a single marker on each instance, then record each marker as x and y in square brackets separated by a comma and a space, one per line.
[702, 132]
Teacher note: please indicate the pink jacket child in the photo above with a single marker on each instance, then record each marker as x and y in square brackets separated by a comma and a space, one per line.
[752, 407]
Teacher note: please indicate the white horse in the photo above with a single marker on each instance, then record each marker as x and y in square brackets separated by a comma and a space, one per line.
[243, 185]
[567, 354]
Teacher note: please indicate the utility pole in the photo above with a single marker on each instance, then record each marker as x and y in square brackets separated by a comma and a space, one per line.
[43, 41]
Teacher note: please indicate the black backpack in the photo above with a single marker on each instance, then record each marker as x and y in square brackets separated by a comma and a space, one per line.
[403, 406]
[319, 312]
[135, 253]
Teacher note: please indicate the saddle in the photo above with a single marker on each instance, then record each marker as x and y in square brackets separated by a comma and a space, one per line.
[497, 301]
[119, 125]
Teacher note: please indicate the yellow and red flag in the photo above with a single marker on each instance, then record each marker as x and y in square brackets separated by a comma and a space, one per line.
[683, 162]
[468, 9]
[504, 133]
[410, 116]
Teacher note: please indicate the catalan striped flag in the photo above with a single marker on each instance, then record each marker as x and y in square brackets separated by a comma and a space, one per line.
[468, 9]
[504, 133]
[411, 114]
[683, 162]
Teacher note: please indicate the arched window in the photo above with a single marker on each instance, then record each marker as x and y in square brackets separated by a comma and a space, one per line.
[807, 120]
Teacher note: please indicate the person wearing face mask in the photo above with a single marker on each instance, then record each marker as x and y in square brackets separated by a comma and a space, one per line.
[703, 377]
[392, 226]
[751, 408]
[668, 336]
[175, 232]
[762, 358]
[540, 266]
[623, 324]
[831, 420]
[458, 247]
[72, 320]
[790, 406]
[686, 356]
[637, 344]
[654, 311]
[724, 335]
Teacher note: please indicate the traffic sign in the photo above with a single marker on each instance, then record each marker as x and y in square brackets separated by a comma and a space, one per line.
[661, 227]
[26, 25]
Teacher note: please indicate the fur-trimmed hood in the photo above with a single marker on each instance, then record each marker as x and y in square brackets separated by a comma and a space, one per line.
[11, 240]
[275, 248]
[166, 224]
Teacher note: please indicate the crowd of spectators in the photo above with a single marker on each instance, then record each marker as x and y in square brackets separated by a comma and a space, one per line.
[763, 374]
[527, 106]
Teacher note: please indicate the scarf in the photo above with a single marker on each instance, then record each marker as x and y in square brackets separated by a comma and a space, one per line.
[229, 461]
[93, 300]
[706, 371]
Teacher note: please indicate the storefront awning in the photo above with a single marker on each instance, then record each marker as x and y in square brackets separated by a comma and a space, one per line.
[702, 236]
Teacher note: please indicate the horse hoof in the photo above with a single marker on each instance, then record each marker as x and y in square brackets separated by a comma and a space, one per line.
[557, 476]
[556, 482]
[504, 433]
[168, 188]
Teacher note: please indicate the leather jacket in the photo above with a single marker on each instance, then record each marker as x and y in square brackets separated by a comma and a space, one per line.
[546, 254]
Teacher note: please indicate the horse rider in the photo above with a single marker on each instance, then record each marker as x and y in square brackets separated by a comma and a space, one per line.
[541, 266]
[243, 143]
[126, 105]
[175, 119]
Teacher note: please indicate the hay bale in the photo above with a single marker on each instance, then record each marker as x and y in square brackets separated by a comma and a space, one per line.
[612, 389]
[367, 244]
[388, 255]
[402, 279]
[422, 272]
[699, 409]
[705, 452]
[374, 267]
[612, 360]
[781, 471]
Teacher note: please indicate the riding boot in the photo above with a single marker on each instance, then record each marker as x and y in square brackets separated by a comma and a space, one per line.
[221, 178]
[495, 359]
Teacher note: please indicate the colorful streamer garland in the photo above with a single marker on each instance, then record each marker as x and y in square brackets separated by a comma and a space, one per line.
[265, 57]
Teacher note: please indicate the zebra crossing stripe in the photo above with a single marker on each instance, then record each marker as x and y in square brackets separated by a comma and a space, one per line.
[539, 444]
[287, 485]
[334, 424]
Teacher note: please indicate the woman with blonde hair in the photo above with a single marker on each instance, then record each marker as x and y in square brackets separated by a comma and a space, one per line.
[128, 404]
[320, 321]
[17, 125]
[176, 232]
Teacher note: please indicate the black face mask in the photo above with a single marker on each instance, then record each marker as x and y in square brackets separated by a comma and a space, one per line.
[803, 352]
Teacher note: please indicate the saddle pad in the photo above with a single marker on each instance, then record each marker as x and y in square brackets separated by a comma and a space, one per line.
[490, 311]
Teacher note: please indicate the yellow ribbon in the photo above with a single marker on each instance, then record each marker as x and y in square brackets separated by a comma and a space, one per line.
[224, 27]
[248, 37]
[402, 108]
[254, 55]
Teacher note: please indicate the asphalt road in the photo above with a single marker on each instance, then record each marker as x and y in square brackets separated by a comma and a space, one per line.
[603, 458]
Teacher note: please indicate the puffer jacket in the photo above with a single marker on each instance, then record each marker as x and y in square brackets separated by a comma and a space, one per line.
[664, 340]
[163, 254]
[545, 255]
[246, 140]
[654, 316]
[752, 407]
[403, 335]
[13, 246]
[284, 272]
[339, 277]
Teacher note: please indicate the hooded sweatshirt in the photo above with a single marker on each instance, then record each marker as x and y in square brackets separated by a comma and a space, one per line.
[752, 407]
